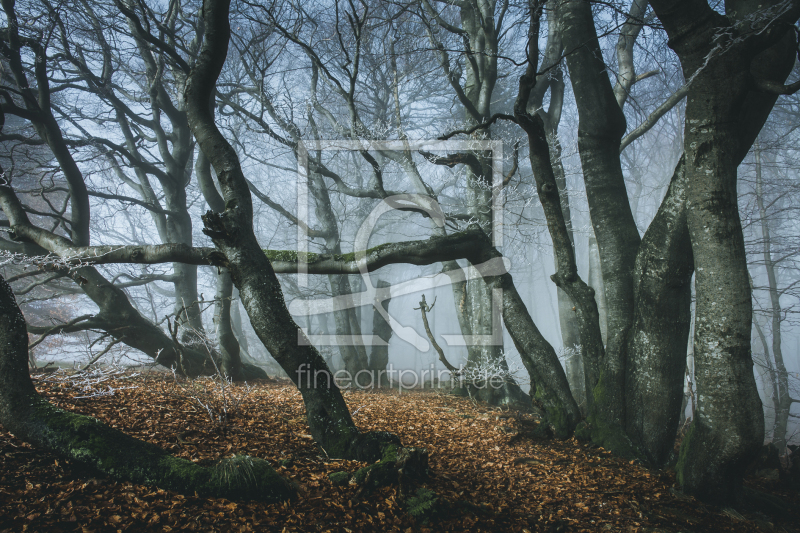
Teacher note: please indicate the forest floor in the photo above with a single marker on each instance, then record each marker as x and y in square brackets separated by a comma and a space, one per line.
[513, 484]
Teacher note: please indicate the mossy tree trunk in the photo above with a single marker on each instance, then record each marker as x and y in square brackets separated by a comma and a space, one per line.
[87, 440]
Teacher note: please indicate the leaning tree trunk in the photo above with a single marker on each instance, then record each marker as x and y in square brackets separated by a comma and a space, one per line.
[103, 449]
[328, 417]
[230, 359]
[550, 390]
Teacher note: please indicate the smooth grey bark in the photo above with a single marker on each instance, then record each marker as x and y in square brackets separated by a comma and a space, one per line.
[720, 121]
[108, 451]
[626, 73]
[657, 343]
[600, 129]
[596, 282]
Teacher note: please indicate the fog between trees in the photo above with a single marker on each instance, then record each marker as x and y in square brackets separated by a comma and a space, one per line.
[600, 199]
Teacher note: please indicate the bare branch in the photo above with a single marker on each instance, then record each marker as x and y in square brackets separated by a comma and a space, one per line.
[424, 308]
[651, 120]
[773, 87]
[494, 118]
[57, 329]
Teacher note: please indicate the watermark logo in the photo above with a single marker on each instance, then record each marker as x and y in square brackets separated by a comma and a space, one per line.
[403, 379]
[372, 295]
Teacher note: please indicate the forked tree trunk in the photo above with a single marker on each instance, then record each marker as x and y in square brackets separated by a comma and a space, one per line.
[94, 444]
[600, 129]
[657, 344]
[721, 124]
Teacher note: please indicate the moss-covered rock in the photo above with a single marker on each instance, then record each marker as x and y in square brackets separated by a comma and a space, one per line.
[370, 446]
[339, 478]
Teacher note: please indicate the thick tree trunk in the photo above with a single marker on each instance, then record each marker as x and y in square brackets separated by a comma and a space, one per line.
[721, 125]
[88, 441]
[600, 130]
[232, 232]
[729, 428]
[657, 344]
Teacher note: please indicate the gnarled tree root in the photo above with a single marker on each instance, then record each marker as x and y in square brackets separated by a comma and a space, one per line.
[87, 440]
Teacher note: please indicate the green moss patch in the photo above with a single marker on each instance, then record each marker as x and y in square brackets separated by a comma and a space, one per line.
[339, 478]
[382, 473]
